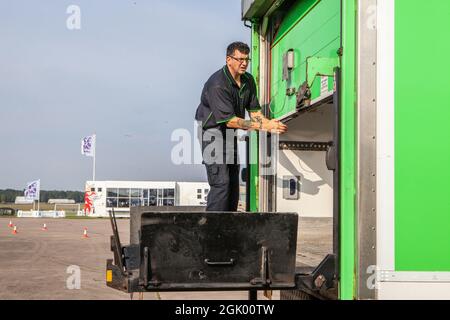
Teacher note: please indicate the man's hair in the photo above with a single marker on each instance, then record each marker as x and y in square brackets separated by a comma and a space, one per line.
[240, 46]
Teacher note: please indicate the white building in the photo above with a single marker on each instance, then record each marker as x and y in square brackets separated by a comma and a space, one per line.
[122, 195]
[61, 201]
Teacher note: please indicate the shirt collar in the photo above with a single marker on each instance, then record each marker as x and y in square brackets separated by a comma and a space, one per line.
[230, 78]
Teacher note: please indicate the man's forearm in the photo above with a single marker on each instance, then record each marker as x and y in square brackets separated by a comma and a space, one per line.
[257, 122]
[239, 123]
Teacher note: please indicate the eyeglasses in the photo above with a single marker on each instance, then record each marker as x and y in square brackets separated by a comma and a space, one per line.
[241, 60]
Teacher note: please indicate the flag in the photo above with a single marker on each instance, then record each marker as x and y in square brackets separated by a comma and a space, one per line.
[32, 190]
[88, 146]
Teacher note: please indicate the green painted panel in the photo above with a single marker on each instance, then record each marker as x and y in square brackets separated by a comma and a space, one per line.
[348, 152]
[296, 13]
[316, 34]
[254, 138]
[422, 135]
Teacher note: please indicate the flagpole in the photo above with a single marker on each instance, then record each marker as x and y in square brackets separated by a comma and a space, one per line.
[39, 196]
[95, 151]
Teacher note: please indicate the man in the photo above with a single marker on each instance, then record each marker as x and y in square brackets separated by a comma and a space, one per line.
[226, 96]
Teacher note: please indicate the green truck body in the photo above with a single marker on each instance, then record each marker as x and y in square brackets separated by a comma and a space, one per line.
[387, 60]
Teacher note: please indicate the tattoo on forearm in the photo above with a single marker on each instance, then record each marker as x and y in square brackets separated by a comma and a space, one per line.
[258, 120]
[249, 124]
[245, 124]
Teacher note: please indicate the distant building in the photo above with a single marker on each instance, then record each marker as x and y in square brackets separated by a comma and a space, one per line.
[61, 201]
[103, 196]
[23, 200]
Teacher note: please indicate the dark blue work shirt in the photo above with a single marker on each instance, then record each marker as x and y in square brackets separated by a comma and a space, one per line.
[222, 99]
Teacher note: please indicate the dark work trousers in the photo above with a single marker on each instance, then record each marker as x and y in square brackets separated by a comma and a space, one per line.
[223, 178]
[224, 182]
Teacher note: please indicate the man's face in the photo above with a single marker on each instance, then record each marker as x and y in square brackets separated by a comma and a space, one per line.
[238, 62]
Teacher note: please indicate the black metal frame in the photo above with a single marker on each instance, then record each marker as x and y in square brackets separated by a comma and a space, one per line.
[305, 145]
[337, 174]
[116, 246]
[320, 282]
[252, 294]
[131, 266]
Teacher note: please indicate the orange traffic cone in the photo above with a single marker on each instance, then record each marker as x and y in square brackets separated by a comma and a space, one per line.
[85, 234]
[10, 224]
[44, 227]
[15, 230]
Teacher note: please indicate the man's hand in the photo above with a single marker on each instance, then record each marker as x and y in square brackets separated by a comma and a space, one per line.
[275, 126]
[268, 125]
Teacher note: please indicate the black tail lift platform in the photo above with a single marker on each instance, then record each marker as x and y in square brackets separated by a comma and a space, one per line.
[205, 251]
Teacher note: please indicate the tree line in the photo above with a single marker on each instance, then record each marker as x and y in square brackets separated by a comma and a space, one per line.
[9, 195]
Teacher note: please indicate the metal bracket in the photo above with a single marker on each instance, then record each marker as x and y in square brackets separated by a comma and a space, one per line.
[303, 96]
[116, 246]
[317, 66]
[265, 269]
[410, 276]
[146, 277]
[322, 282]
[305, 145]
[116, 280]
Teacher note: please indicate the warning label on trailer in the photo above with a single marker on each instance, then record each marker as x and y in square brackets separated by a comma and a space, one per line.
[323, 86]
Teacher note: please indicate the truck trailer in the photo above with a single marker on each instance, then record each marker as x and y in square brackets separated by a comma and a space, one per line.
[363, 86]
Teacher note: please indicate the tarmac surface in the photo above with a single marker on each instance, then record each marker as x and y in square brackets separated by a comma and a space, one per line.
[36, 264]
